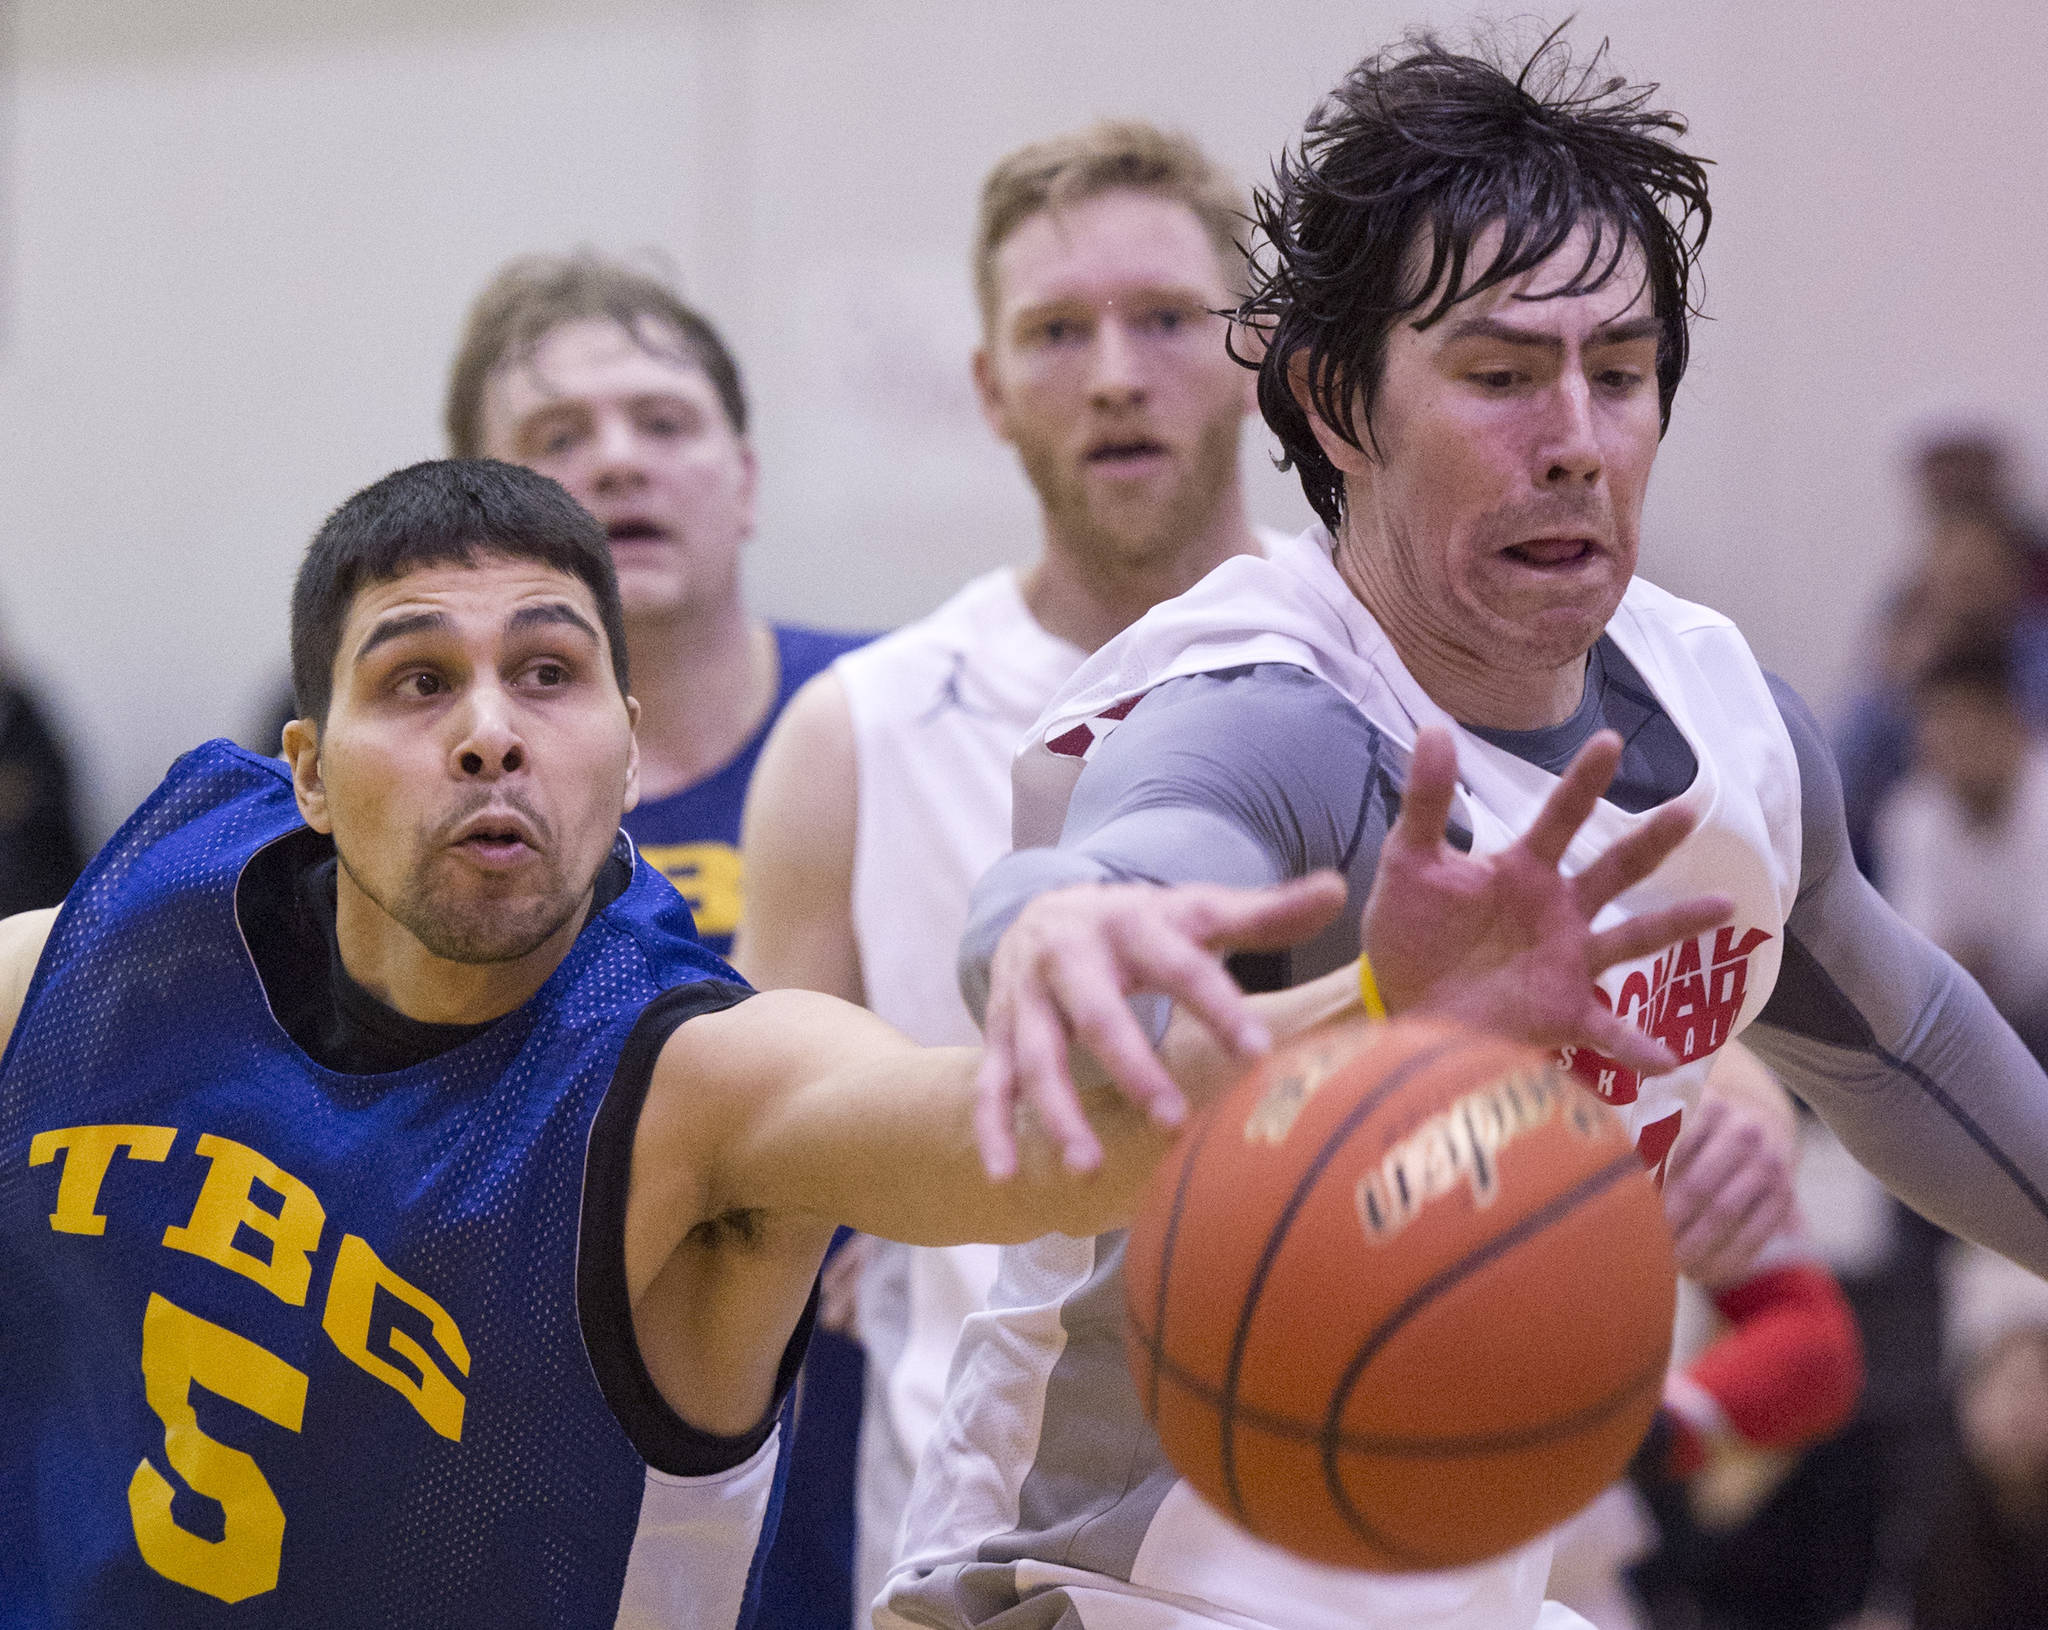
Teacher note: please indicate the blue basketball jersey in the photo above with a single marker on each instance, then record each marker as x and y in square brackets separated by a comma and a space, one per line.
[286, 1347]
[692, 837]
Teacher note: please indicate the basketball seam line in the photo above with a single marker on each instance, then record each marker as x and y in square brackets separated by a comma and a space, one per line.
[1276, 1237]
[1436, 1448]
[1553, 1210]
[1157, 1341]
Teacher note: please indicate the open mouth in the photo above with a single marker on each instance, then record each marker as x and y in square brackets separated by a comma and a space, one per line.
[1551, 554]
[635, 531]
[1126, 454]
[496, 838]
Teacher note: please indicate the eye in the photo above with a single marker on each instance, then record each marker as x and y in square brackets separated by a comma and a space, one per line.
[550, 673]
[553, 438]
[667, 422]
[1496, 379]
[421, 683]
[1619, 381]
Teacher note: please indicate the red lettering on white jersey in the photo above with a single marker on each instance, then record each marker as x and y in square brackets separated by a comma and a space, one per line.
[1689, 1000]
[1654, 1143]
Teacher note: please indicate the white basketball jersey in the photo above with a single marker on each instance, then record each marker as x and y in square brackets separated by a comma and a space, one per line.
[1043, 1484]
[938, 708]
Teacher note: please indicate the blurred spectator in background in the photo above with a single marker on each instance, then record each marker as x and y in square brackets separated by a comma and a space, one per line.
[1962, 841]
[40, 851]
[1970, 472]
[599, 375]
[1987, 1566]
[1974, 584]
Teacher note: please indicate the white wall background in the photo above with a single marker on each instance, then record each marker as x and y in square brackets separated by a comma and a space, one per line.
[240, 235]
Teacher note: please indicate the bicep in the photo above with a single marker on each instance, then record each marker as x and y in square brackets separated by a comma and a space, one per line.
[1245, 778]
[796, 927]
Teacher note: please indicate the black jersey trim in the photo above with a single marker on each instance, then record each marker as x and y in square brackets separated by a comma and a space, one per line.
[658, 1434]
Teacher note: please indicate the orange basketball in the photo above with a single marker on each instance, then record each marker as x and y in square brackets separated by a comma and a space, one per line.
[1402, 1298]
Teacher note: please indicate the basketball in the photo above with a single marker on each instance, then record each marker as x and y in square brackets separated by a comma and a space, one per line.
[1402, 1298]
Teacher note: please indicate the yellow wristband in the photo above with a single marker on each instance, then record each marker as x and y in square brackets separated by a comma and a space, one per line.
[1369, 989]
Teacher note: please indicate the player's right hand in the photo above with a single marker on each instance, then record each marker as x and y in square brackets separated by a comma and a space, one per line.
[1064, 972]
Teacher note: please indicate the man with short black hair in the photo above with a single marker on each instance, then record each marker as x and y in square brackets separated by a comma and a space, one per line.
[404, 1218]
[1471, 316]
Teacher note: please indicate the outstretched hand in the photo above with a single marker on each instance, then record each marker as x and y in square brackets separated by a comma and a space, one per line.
[1065, 969]
[1505, 941]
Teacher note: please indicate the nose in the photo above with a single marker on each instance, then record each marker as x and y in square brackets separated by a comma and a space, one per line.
[1573, 451]
[490, 747]
[618, 467]
[1117, 381]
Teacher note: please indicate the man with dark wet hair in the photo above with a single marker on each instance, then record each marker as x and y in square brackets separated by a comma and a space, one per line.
[1470, 323]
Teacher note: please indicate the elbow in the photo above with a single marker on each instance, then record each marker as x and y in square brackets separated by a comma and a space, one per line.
[1790, 1372]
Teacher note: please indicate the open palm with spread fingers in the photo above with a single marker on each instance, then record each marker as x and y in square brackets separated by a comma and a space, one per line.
[1505, 941]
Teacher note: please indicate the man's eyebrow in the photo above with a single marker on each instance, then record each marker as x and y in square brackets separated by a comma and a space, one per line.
[1629, 331]
[1619, 332]
[396, 628]
[1179, 293]
[547, 613]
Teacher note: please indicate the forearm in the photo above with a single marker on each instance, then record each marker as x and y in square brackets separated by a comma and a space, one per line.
[1158, 843]
[884, 1142]
[1897, 1048]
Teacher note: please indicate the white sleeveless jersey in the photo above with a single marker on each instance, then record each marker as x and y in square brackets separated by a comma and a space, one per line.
[939, 708]
[1043, 1484]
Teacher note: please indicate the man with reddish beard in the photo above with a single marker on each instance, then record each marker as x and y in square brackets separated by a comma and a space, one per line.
[1100, 261]
[600, 376]
[1473, 305]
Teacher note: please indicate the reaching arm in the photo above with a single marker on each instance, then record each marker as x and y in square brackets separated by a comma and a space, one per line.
[22, 938]
[796, 927]
[1503, 942]
[799, 1103]
[1897, 1048]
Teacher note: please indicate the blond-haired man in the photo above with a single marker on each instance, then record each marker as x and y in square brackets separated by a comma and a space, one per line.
[1101, 257]
[599, 374]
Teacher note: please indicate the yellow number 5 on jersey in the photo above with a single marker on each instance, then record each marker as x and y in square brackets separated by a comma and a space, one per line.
[181, 1350]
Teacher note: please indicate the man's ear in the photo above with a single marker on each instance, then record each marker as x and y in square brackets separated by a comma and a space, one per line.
[632, 755]
[1350, 460]
[302, 752]
[988, 391]
[749, 481]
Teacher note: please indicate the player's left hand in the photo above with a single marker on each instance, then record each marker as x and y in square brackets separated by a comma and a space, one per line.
[1727, 1193]
[1505, 942]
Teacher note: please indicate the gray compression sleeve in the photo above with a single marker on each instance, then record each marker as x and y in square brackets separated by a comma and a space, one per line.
[1896, 1047]
[1245, 777]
